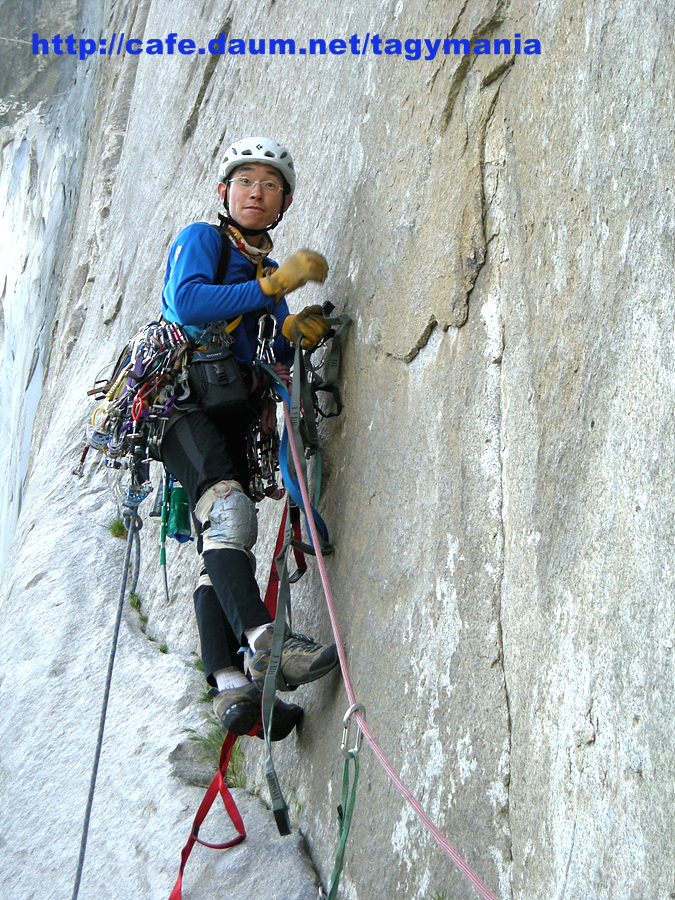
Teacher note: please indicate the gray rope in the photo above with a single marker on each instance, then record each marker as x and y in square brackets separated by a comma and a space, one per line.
[132, 561]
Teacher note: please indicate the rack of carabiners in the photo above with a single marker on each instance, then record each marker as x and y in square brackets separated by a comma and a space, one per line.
[263, 437]
[149, 378]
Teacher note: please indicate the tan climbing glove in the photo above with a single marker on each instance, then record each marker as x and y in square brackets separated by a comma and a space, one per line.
[303, 266]
[307, 327]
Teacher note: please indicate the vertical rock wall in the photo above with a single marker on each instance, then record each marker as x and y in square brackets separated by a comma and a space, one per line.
[500, 229]
[581, 210]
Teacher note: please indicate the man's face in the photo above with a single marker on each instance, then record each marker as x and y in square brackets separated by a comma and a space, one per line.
[252, 206]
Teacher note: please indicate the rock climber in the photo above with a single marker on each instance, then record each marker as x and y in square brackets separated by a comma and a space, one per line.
[206, 453]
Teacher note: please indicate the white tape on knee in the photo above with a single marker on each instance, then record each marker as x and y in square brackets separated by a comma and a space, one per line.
[232, 518]
[208, 498]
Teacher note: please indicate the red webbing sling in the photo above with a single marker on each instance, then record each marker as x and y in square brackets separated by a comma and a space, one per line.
[272, 593]
[217, 786]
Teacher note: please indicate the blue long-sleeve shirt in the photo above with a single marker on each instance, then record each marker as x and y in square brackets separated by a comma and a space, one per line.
[191, 297]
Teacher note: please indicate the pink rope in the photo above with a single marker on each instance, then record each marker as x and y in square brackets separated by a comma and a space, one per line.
[437, 835]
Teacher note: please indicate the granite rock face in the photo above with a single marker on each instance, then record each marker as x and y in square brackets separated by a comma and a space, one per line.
[500, 228]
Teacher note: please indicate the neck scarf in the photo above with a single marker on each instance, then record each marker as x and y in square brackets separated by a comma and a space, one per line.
[255, 254]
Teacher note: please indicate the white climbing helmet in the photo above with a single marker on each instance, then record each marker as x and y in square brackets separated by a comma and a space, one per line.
[260, 150]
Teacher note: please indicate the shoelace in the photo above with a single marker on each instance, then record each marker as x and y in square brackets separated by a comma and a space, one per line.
[296, 641]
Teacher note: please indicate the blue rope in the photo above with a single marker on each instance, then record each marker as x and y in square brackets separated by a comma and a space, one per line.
[292, 485]
[132, 561]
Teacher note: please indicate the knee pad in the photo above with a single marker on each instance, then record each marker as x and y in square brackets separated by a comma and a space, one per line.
[229, 518]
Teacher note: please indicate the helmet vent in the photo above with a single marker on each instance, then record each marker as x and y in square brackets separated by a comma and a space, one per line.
[258, 149]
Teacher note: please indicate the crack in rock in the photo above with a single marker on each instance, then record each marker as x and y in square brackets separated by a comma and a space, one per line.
[209, 69]
[422, 340]
[473, 223]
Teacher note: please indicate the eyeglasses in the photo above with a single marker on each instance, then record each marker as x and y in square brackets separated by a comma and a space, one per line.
[267, 187]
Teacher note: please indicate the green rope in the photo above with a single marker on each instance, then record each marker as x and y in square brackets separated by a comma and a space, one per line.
[345, 812]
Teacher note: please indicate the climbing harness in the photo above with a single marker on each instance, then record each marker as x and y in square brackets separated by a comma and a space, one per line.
[136, 494]
[148, 381]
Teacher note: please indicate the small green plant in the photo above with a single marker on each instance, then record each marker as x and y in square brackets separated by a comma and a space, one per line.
[236, 771]
[211, 742]
[294, 805]
[117, 527]
[437, 895]
[206, 696]
[136, 603]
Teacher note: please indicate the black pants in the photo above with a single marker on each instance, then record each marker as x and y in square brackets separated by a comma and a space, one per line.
[199, 452]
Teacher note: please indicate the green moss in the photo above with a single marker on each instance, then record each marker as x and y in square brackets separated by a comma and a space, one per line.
[117, 528]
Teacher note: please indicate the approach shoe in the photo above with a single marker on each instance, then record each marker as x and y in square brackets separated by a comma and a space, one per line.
[239, 709]
[284, 719]
[302, 660]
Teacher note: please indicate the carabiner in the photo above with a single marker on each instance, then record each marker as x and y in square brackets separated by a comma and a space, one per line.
[355, 707]
[265, 351]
